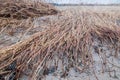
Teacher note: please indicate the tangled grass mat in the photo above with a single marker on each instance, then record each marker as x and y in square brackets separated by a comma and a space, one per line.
[71, 35]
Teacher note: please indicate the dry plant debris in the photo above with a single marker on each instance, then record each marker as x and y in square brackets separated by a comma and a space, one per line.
[17, 18]
[23, 10]
[71, 35]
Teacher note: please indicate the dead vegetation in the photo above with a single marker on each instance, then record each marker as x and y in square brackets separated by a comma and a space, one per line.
[23, 10]
[14, 12]
[17, 17]
[71, 35]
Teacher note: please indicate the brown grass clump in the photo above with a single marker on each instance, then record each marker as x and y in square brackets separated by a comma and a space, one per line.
[20, 14]
[23, 10]
[14, 12]
[71, 35]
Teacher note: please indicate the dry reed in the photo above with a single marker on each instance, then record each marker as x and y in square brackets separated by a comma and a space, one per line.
[23, 10]
[72, 35]
[20, 14]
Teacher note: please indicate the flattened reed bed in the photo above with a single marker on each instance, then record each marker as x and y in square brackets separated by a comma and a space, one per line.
[72, 35]
[20, 9]
[19, 15]
[13, 13]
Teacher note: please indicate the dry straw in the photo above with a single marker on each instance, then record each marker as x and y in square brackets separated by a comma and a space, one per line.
[22, 9]
[13, 15]
[72, 35]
